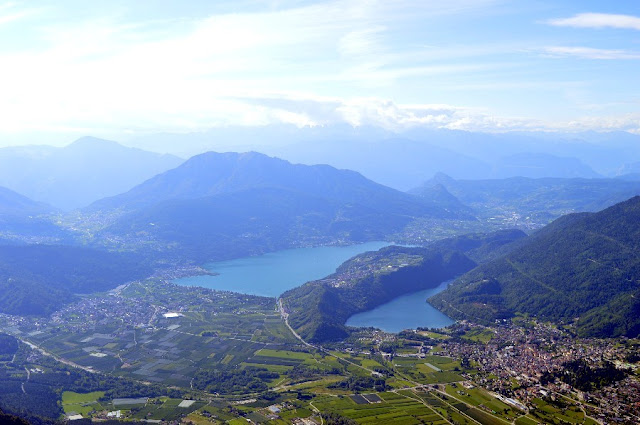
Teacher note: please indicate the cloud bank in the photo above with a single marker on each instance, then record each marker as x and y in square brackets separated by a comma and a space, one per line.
[106, 71]
[590, 53]
[598, 20]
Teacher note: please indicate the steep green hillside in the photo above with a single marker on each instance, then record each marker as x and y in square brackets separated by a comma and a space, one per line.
[483, 247]
[584, 266]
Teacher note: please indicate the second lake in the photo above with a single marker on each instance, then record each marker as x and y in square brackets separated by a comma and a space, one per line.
[407, 311]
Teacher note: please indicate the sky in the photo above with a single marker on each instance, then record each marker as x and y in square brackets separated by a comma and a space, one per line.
[118, 69]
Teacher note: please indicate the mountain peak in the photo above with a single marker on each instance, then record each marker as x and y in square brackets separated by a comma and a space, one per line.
[90, 141]
[213, 174]
[439, 179]
[230, 156]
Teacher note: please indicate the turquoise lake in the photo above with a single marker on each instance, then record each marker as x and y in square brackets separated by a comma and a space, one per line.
[405, 312]
[272, 274]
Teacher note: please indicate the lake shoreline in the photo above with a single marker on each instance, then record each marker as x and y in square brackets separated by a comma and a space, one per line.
[274, 273]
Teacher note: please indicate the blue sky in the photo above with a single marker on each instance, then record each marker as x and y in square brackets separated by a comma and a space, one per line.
[121, 68]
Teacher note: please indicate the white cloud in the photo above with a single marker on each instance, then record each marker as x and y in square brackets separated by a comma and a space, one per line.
[10, 13]
[589, 53]
[103, 72]
[254, 68]
[389, 115]
[359, 43]
[364, 111]
[626, 122]
[598, 20]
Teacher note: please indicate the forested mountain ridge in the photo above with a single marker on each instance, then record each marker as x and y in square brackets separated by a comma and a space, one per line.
[213, 173]
[39, 279]
[583, 266]
[221, 206]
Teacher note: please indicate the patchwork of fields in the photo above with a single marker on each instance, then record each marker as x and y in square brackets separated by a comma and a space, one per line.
[198, 333]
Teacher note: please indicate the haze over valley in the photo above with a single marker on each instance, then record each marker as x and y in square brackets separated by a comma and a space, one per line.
[320, 213]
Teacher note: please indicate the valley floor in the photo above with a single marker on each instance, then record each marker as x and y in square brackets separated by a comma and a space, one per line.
[221, 357]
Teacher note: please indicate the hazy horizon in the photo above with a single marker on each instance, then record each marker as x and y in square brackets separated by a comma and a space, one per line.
[125, 71]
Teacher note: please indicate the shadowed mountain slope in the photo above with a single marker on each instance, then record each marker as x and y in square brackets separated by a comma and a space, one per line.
[39, 279]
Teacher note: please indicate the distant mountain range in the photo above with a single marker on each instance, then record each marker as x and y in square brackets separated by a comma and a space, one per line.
[90, 169]
[221, 205]
[397, 162]
[212, 173]
[269, 203]
[582, 266]
[80, 173]
[404, 159]
[541, 199]
[402, 163]
[539, 165]
[228, 205]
